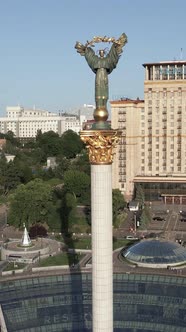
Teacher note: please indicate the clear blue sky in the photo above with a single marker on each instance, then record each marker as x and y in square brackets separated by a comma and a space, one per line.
[39, 65]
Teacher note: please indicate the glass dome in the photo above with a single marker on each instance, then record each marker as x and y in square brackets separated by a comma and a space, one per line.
[156, 252]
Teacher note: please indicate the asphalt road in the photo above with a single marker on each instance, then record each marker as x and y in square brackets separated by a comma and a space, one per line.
[171, 228]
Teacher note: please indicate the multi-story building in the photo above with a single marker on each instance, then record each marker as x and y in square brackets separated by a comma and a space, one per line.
[159, 160]
[126, 116]
[25, 123]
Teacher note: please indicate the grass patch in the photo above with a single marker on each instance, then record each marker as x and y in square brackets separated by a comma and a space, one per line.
[84, 243]
[62, 259]
[14, 266]
[119, 243]
[54, 182]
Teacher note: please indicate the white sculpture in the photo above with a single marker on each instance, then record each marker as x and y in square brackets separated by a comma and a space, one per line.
[25, 242]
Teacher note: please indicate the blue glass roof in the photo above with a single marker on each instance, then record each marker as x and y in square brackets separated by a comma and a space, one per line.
[156, 252]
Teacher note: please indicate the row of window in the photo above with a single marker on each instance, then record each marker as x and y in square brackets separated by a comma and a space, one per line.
[164, 168]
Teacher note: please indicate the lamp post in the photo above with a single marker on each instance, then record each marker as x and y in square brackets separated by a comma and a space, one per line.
[135, 223]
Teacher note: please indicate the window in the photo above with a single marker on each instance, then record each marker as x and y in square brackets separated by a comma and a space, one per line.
[157, 154]
[157, 131]
[179, 92]
[171, 72]
[157, 139]
[172, 132]
[157, 74]
[157, 161]
[179, 72]
[179, 109]
[164, 93]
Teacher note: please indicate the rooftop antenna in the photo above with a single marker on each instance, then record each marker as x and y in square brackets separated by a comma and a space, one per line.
[181, 54]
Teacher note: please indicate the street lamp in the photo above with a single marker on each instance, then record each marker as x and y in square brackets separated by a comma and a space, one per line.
[135, 222]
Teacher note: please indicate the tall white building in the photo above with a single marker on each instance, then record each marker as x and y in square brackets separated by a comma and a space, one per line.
[25, 123]
[154, 133]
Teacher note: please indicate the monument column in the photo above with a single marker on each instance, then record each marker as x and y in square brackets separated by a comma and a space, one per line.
[102, 271]
[100, 141]
[100, 144]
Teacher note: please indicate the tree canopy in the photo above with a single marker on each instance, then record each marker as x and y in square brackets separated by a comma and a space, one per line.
[71, 144]
[118, 203]
[77, 183]
[30, 203]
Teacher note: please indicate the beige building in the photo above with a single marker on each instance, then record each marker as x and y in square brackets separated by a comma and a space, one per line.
[25, 123]
[154, 132]
[126, 115]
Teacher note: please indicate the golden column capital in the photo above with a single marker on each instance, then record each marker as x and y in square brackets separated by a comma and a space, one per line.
[100, 145]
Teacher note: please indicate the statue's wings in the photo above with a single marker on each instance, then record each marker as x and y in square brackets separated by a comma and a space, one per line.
[80, 48]
[120, 42]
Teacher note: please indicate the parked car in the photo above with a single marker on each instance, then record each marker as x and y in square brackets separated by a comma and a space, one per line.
[158, 219]
[130, 237]
[183, 219]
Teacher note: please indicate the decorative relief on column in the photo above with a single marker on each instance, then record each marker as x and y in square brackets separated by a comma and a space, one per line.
[100, 145]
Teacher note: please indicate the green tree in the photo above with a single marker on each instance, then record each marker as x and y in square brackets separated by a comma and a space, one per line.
[118, 203]
[10, 176]
[145, 217]
[63, 164]
[77, 183]
[140, 196]
[71, 144]
[81, 162]
[30, 203]
[11, 138]
[50, 143]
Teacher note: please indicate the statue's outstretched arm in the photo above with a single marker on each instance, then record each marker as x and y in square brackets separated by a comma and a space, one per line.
[80, 48]
[120, 42]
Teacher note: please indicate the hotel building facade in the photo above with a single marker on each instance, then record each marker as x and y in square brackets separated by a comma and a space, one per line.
[152, 150]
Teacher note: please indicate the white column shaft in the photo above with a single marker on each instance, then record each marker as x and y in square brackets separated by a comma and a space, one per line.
[102, 266]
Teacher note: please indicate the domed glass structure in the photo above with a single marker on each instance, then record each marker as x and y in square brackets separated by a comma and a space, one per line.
[156, 253]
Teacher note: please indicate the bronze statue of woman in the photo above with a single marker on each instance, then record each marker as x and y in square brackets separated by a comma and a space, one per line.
[102, 66]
